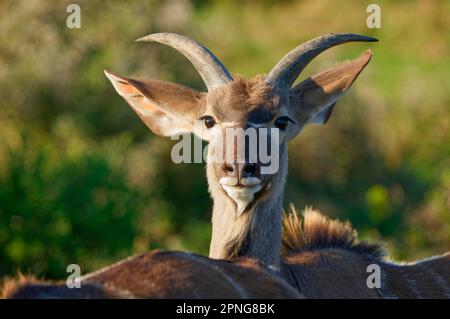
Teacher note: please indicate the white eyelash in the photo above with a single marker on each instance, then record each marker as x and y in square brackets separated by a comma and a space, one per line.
[228, 124]
[257, 125]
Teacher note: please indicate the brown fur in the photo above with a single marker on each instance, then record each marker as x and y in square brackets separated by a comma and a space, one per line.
[11, 285]
[161, 274]
[328, 273]
[315, 231]
[244, 100]
[29, 287]
[323, 259]
[429, 278]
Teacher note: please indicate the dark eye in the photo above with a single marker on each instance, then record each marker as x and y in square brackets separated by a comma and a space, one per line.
[209, 121]
[282, 122]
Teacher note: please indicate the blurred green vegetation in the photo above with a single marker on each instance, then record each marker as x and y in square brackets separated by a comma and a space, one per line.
[83, 181]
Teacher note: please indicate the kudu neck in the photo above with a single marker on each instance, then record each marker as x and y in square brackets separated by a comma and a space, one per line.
[257, 232]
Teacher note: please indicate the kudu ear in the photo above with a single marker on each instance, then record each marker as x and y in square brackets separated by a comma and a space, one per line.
[166, 108]
[313, 100]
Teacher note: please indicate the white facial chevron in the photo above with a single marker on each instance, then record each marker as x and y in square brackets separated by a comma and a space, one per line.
[242, 194]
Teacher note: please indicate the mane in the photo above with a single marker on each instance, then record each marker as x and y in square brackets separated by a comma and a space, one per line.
[29, 287]
[11, 286]
[311, 231]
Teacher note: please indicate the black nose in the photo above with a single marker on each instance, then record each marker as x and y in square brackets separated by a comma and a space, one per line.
[241, 170]
[250, 170]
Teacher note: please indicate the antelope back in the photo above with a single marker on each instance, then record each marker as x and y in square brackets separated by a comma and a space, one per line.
[161, 274]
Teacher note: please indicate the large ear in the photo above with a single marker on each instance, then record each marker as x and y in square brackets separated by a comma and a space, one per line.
[166, 108]
[313, 100]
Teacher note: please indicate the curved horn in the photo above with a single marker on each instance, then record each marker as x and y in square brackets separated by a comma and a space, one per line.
[212, 71]
[289, 67]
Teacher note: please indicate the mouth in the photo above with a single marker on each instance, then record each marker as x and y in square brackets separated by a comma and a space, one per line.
[243, 193]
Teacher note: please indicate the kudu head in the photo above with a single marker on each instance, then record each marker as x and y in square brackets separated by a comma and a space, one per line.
[235, 113]
[244, 121]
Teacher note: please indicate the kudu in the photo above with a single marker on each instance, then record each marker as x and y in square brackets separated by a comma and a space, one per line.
[247, 209]
[247, 213]
[320, 258]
